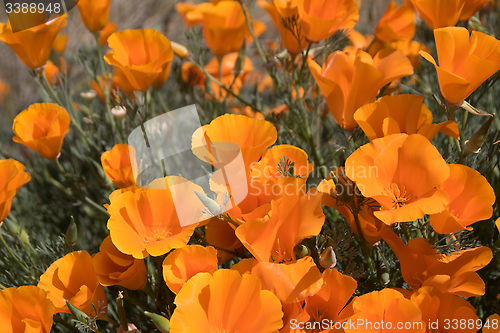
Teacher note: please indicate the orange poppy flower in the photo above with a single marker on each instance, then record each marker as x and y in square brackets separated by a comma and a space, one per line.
[382, 311]
[298, 280]
[12, 177]
[52, 72]
[471, 200]
[400, 177]
[440, 308]
[439, 13]
[330, 300]
[471, 7]
[322, 18]
[226, 302]
[455, 273]
[118, 165]
[143, 56]
[184, 263]
[349, 81]
[190, 13]
[107, 31]
[225, 27]
[268, 167]
[94, 13]
[340, 197]
[396, 24]
[497, 223]
[147, 221]
[113, 267]
[72, 279]
[280, 10]
[253, 136]
[60, 43]
[228, 74]
[294, 217]
[463, 64]
[42, 128]
[401, 114]
[4, 90]
[25, 309]
[32, 43]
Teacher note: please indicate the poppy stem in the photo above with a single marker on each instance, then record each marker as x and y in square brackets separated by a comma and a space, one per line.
[107, 85]
[217, 82]
[78, 190]
[13, 255]
[254, 37]
[364, 248]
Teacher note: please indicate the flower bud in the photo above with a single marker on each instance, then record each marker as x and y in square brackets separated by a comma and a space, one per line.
[161, 323]
[71, 233]
[77, 313]
[328, 258]
[473, 145]
[119, 112]
[301, 250]
[383, 275]
[88, 95]
[180, 50]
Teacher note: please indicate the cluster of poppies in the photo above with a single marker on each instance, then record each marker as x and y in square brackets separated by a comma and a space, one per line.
[248, 267]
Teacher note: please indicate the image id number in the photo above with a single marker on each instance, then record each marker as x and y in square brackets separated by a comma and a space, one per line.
[33, 8]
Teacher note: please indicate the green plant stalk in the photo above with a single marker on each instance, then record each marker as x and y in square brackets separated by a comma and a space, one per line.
[364, 248]
[211, 78]
[13, 255]
[254, 37]
[78, 190]
[107, 87]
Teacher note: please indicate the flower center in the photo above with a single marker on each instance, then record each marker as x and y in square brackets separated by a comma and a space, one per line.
[399, 196]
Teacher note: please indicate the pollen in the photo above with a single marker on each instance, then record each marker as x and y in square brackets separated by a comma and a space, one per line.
[399, 196]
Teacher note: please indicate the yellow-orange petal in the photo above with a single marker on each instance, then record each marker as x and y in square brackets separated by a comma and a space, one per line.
[42, 128]
[184, 263]
[227, 302]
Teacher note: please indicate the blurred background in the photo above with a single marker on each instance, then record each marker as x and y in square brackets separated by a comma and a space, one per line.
[128, 14]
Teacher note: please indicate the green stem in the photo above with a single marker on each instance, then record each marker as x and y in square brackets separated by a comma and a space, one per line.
[107, 87]
[211, 78]
[364, 248]
[78, 190]
[13, 255]
[255, 40]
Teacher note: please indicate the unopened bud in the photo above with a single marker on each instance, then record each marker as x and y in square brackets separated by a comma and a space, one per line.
[301, 250]
[383, 275]
[161, 323]
[180, 50]
[328, 258]
[240, 61]
[71, 233]
[473, 145]
[88, 95]
[77, 313]
[119, 112]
